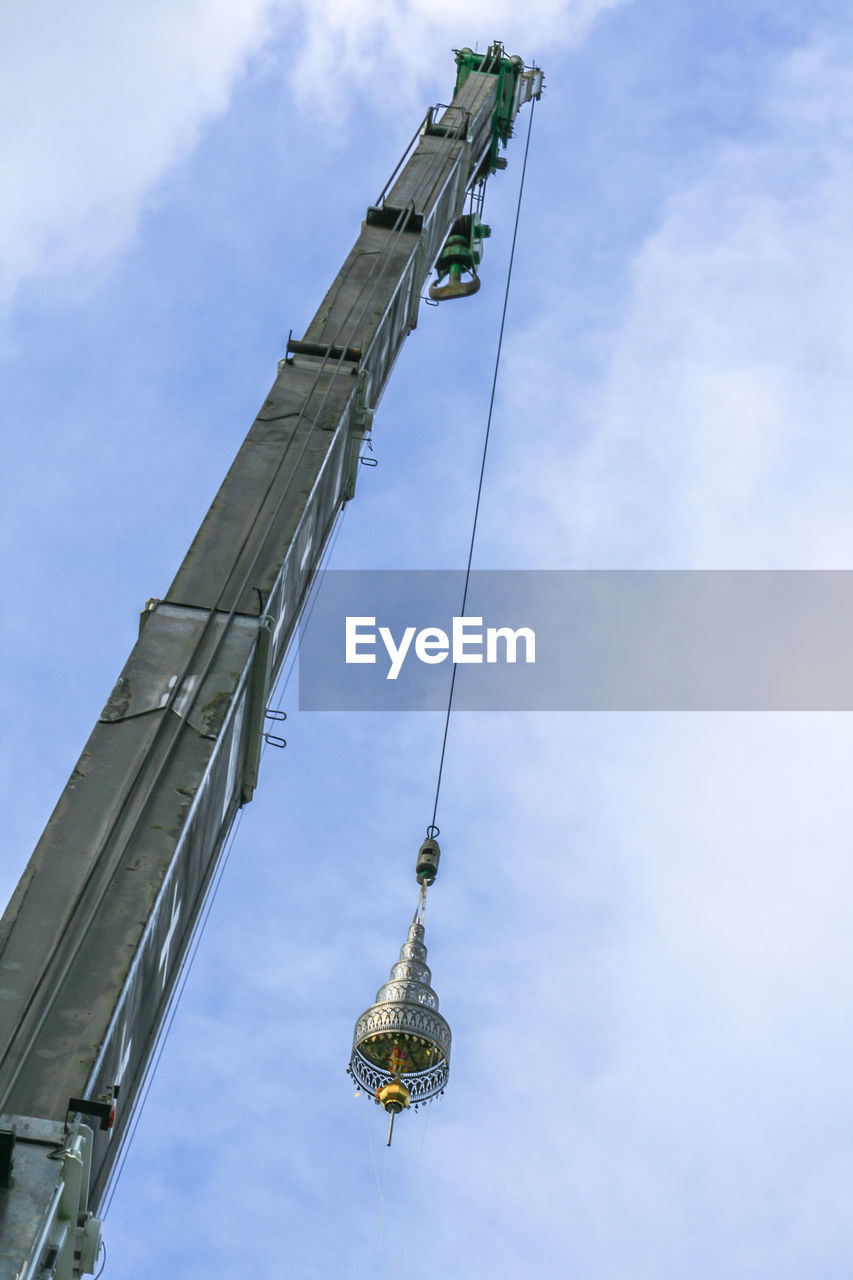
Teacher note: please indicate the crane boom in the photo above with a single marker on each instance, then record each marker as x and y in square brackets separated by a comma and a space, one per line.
[94, 936]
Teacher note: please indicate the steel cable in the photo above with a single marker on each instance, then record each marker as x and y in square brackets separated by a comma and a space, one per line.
[483, 459]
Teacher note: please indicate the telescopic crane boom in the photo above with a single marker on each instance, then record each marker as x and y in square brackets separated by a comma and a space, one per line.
[93, 939]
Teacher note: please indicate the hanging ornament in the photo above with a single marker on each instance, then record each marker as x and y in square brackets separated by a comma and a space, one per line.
[401, 1044]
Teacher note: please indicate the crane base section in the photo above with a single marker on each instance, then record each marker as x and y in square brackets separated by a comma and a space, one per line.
[46, 1229]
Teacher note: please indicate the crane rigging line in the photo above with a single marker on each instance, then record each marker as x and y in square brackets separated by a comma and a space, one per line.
[432, 829]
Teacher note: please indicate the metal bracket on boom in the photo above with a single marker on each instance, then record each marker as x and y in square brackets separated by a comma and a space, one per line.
[259, 692]
[277, 716]
[455, 123]
[351, 355]
[515, 87]
[103, 1109]
[361, 424]
[48, 1231]
[394, 219]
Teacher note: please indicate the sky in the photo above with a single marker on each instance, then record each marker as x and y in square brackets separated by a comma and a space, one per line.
[640, 934]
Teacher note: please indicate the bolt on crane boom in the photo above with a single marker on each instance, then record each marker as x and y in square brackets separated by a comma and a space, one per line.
[94, 936]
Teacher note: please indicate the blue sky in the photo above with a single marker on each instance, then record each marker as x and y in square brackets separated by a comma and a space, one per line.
[640, 936]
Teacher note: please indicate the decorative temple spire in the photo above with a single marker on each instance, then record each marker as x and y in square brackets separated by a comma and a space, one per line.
[401, 1044]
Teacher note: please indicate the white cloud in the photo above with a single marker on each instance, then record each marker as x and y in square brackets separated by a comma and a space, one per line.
[718, 435]
[96, 101]
[673, 966]
[401, 45]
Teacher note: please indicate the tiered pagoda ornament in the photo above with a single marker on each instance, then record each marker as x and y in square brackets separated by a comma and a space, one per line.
[401, 1045]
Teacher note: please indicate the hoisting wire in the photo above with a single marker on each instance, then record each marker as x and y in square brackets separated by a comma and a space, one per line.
[420, 909]
[485, 451]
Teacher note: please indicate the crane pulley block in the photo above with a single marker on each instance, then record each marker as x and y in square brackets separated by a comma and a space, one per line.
[515, 86]
[462, 252]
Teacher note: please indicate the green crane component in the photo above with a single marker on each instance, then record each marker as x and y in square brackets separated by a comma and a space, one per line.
[461, 253]
[509, 73]
[91, 945]
[428, 856]
[459, 258]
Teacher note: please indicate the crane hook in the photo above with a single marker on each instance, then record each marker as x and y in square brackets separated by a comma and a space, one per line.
[462, 252]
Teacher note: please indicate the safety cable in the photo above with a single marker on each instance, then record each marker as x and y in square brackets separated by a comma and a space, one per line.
[432, 827]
